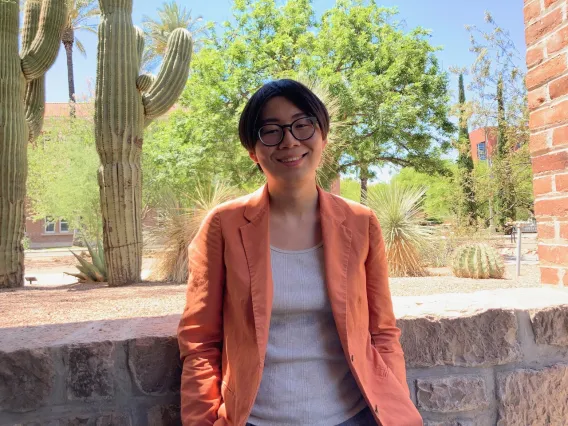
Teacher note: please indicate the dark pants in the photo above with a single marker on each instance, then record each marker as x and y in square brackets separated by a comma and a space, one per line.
[364, 418]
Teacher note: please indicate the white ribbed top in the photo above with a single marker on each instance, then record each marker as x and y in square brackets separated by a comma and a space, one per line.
[306, 379]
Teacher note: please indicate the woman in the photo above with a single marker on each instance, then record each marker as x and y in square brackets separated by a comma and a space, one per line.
[289, 318]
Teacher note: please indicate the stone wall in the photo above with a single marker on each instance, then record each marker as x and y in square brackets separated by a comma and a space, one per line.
[489, 358]
[546, 35]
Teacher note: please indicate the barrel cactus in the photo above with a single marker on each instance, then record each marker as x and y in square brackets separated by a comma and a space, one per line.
[22, 104]
[477, 261]
[124, 103]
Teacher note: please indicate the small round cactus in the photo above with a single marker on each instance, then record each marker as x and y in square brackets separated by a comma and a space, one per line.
[477, 261]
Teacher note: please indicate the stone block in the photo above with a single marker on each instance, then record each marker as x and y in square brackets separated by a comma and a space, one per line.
[483, 339]
[533, 397]
[114, 419]
[90, 371]
[449, 423]
[550, 325]
[452, 394]
[164, 415]
[155, 365]
[26, 379]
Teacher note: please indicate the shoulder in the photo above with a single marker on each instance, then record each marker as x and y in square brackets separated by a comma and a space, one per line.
[357, 216]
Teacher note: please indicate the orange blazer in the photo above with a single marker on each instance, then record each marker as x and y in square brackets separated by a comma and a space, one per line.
[223, 331]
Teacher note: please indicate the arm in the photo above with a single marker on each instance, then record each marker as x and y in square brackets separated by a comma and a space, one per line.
[200, 331]
[385, 334]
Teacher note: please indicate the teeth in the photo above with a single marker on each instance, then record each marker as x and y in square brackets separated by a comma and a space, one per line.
[289, 160]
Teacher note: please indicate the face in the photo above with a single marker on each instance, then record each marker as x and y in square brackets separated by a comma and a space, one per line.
[276, 160]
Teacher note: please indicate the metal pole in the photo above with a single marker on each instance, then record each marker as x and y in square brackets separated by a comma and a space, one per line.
[519, 250]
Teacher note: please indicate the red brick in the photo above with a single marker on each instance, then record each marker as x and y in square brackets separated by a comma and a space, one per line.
[549, 276]
[535, 55]
[562, 182]
[546, 71]
[560, 136]
[542, 185]
[557, 41]
[554, 115]
[547, 3]
[564, 230]
[545, 231]
[552, 207]
[557, 255]
[558, 87]
[538, 143]
[531, 10]
[537, 97]
[550, 162]
[543, 26]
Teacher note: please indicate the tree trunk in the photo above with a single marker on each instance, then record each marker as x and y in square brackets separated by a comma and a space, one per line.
[364, 177]
[68, 39]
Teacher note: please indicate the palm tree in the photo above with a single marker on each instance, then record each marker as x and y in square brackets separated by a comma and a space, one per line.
[80, 15]
[170, 16]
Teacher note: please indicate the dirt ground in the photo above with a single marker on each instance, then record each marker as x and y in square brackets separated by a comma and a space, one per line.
[69, 303]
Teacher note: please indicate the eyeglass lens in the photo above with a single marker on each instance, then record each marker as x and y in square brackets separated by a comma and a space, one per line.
[272, 134]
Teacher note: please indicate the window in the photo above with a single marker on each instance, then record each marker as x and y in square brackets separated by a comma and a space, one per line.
[481, 152]
[63, 226]
[49, 225]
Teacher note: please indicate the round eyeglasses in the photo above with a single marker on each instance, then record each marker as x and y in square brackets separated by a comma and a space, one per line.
[302, 129]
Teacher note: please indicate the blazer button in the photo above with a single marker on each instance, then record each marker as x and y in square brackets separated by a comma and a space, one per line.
[351, 358]
[376, 409]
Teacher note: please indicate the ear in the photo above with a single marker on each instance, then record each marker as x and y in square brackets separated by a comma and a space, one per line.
[253, 156]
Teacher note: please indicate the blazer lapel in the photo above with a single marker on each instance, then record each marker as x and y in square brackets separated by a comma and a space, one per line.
[256, 242]
[336, 246]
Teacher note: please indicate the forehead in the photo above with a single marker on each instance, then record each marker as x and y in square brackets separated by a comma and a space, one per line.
[279, 109]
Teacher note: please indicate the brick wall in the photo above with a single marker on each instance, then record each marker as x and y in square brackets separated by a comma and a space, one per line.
[546, 34]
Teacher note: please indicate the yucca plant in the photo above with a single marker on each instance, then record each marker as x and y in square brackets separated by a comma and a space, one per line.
[91, 272]
[477, 260]
[399, 210]
[180, 220]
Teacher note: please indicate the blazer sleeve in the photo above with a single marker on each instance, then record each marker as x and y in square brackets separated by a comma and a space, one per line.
[385, 335]
[200, 331]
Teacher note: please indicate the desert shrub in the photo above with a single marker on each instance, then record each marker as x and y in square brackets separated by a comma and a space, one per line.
[180, 220]
[399, 210]
[91, 272]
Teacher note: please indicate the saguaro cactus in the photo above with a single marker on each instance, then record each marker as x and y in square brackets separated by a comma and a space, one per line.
[125, 102]
[22, 103]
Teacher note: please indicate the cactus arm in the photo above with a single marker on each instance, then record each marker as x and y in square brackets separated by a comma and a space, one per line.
[145, 81]
[35, 106]
[41, 53]
[172, 77]
[139, 44]
[34, 98]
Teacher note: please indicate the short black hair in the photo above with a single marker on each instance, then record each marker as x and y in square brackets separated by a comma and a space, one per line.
[295, 92]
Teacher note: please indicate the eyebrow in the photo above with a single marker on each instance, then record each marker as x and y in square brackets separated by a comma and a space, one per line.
[275, 120]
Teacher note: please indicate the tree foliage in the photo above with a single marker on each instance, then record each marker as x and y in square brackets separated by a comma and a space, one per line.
[390, 93]
[62, 179]
[498, 82]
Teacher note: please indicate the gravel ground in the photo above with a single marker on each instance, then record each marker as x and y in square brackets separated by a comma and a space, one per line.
[37, 305]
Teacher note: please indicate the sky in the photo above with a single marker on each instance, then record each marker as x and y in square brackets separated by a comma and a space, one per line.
[446, 19]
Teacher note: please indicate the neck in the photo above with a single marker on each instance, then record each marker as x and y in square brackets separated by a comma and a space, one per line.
[293, 199]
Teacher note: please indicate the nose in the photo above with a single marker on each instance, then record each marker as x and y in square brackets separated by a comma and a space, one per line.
[289, 140]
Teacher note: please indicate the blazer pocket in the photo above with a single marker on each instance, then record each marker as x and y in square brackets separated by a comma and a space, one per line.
[381, 367]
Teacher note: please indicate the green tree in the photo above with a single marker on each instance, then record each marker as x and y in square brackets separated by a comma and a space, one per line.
[80, 15]
[501, 107]
[468, 206]
[157, 30]
[62, 179]
[439, 198]
[392, 93]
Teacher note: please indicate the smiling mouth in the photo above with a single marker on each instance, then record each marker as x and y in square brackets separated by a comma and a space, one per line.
[293, 159]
